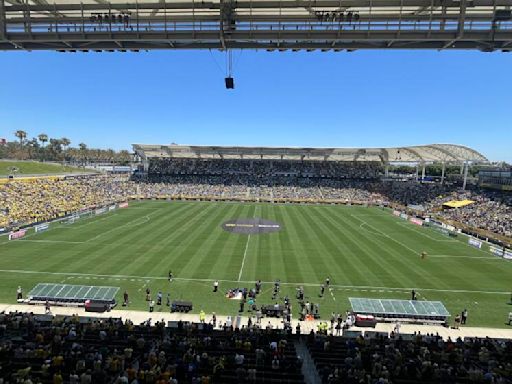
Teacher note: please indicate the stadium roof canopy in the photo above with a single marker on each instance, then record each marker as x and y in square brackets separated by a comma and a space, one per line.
[83, 25]
[433, 153]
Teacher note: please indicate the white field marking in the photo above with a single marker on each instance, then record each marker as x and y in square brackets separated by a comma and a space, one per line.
[243, 260]
[339, 287]
[362, 226]
[88, 220]
[464, 256]
[422, 296]
[121, 226]
[332, 294]
[423, 232]
[136, 224]
[386, 235]
[61, 226]
[478, 249]
[370, 215]
[142, 208]
[144, 285]
[245, 251]
[53, 241]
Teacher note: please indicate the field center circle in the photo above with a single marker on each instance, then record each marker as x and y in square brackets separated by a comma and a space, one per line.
[252, 226]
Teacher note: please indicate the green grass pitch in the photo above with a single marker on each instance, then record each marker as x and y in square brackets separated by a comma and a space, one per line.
[34, 167]
[367, 252]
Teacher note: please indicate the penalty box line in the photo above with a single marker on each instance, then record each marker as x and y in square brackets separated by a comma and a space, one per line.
[362, 287]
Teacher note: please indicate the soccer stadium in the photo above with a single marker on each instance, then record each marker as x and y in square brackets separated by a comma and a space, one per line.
[255, 191]
[316, 241]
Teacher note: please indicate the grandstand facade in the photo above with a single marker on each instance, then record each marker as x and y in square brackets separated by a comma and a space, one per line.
[334, 163]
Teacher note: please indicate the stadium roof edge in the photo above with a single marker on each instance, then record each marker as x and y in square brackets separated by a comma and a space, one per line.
[435, 153]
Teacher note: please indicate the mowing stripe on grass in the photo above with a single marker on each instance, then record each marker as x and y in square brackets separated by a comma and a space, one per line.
[423, 232]
[387, 236]
[361, 287]
[50, 241]
[467, 257]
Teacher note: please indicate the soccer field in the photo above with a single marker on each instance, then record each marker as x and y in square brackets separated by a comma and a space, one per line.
[366, 252]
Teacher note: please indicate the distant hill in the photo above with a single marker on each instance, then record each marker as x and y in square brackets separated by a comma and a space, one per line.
[35, 168]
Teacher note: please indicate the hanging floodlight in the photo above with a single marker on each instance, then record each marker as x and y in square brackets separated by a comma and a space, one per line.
[229, 81]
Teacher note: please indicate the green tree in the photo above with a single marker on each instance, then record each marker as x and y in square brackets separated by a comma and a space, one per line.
[83, 153]
[65, 142]
[124, 156]
[20, 135]
[43, 138]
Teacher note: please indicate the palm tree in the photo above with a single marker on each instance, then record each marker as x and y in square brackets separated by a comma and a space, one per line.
[33, 147]
[54, 149]
[83, 152]
[21, 135]
[65, 142]
[43, 138]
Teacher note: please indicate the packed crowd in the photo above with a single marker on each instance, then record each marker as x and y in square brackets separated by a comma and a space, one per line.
[266, 168]
[25, 202]
[491, 210]
[43, 349]
[43, 199]
[411, 359]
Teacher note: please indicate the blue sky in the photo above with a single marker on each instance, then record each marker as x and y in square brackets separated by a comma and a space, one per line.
[365, 98]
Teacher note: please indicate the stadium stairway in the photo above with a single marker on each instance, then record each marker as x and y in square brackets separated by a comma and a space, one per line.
[309, 370]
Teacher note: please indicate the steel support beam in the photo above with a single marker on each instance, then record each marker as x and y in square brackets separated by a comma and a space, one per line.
[246, 24]
[466, 166]
[2, 20]
[302, 4]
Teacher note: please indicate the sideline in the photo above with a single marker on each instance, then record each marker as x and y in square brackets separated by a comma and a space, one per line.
[355, 287]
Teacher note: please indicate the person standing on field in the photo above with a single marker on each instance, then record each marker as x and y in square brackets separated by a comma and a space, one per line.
[464, 316]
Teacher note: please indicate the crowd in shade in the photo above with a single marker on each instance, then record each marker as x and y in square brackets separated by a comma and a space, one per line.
[37, 349]
[44, 199]
[411, 359]
[266, 168]
[43, 349]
